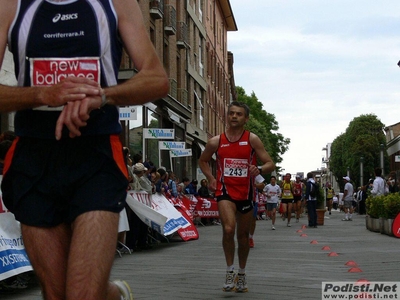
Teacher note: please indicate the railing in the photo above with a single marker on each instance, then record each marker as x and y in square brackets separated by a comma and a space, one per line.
[173, 88]
[157, 9]
[170, 20]
[182, 35]
[183, 97]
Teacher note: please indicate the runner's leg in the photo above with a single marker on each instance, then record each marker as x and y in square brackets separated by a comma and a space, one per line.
[227, 214]
[243, 228]
[47, 249]
[91, 256]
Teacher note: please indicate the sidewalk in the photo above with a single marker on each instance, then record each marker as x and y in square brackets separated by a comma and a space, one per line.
[285, 264]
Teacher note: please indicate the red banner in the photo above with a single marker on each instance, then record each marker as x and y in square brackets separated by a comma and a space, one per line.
[205, 207]
[190, 232]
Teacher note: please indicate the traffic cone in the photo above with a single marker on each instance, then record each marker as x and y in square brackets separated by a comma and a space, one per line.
[351, 263]
[303, 235]
[333, 254]
[326, 248]
[354, 270]
[313, 242]
[362, 281]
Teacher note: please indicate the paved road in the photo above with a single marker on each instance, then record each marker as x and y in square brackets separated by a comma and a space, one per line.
[285, 264]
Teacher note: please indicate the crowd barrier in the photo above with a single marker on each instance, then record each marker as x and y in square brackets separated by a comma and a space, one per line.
[13, 258]
[196, 206]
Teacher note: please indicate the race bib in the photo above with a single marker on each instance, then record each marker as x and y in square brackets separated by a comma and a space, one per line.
[50, 71]
[235, 167]
[286, 192]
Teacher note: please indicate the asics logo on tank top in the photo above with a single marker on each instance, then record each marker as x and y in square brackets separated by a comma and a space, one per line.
[67, 17]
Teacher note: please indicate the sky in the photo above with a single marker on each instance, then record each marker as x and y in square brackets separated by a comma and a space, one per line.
[316, 65]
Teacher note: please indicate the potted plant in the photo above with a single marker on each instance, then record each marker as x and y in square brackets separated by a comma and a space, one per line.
[391, 205]
[375, 210]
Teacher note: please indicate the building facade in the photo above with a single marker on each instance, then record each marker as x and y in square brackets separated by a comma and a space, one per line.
[190, 37]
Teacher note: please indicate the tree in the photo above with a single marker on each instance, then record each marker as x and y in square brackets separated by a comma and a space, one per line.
[264, 125]
[363, 138]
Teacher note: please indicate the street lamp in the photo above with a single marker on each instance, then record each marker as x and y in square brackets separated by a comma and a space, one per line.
[361, 170]
[348, 171]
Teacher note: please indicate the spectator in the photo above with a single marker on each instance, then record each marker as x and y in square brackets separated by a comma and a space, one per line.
[203, 190]
[137, 236]
[160, 183]
[378, 186]
[172, 184]
[192, 188]
[311, 201]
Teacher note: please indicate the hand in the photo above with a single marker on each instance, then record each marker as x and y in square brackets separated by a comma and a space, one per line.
[212, 184]
[254, 171]
[83, 96]
[75, 115]
[68, 90]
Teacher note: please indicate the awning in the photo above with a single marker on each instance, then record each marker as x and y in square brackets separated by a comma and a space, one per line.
[201, 146]
[173, 116]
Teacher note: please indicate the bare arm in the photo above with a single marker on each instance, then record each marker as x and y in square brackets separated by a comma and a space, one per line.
[211, 148]
[151, 82]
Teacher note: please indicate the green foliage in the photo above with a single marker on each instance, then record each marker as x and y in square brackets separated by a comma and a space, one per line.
[392, 205]
[264, 125]
[375, 206]
[363, 138]
[384, 206]
[320, 198]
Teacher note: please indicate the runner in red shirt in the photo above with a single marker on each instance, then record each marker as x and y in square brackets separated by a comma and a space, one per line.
[236, 151]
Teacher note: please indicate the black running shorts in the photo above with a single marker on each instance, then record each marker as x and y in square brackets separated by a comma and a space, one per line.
[242, 206]
[49, 182]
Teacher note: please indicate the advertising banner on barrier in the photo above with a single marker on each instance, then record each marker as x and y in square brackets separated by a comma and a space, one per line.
[157, 212]
[190, 232]
[13, 258]
[205, 208]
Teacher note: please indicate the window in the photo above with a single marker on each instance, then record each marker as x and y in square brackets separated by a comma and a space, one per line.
[201, 67]
[200, 4]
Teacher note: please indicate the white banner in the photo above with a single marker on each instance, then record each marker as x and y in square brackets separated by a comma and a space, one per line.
[156, 212]
[181, 153]
[128, 113]
[164, 145]
[13, 258]
[159, 133]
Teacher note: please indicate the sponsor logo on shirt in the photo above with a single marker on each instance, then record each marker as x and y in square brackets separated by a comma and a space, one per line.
[242, 143]
[224, 145]
[66, 17]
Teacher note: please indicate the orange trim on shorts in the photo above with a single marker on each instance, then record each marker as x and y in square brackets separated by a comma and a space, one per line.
[10, 155]
[118, 155]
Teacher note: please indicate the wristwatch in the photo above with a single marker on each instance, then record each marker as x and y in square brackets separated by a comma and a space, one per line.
[259, 169]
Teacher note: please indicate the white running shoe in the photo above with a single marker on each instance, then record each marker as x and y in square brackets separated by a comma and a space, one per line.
[288, 225]
[241, 284]
[124, 289]
[230, 281]
[273, 227]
